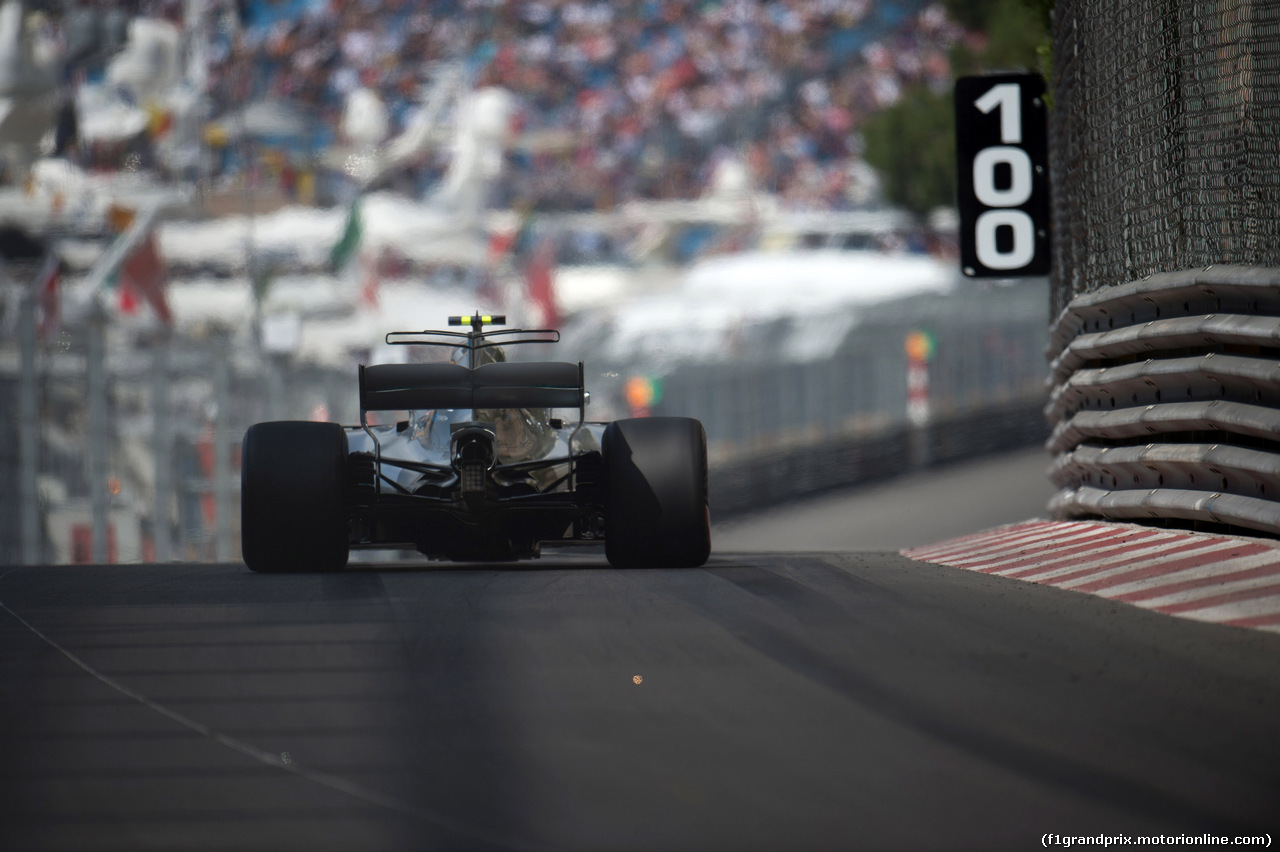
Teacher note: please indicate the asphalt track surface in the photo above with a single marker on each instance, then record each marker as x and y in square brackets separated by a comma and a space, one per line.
[842, 700]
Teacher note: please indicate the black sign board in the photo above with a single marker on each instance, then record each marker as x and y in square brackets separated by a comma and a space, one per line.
[1003, 175]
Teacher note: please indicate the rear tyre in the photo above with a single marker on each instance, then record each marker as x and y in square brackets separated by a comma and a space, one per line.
[656, 511]
[293, 497]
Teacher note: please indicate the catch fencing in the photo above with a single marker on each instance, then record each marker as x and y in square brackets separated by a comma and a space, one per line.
[151, 470]
[1164, 139]
[778, 431]
[986, 354]
[155, 476]
[1165, 158]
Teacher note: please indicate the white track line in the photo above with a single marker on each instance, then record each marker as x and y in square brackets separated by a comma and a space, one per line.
[271, 759]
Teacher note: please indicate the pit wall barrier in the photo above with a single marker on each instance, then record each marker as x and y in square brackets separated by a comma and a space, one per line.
[1165, 402]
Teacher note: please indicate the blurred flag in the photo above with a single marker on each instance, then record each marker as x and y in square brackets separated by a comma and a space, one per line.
[128, 301]
[143, 274]
[347, 244]
[132, 265]
[501, 244]
[263, 277]
[372, 283]
[539, 276]
[45, 291]
[159, 120]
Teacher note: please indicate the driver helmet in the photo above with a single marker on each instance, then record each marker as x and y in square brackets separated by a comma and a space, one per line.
[522, 433]
[484, 355]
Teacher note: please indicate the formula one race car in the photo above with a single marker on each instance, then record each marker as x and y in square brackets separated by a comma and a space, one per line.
[479, 470]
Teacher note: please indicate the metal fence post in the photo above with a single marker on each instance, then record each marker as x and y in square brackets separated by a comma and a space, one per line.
[29, 436]
[277, 409]
[98, 442]
[222, 448]
[162, 447]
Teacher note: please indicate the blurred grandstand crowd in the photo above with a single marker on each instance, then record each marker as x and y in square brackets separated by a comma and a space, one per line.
[616, 101]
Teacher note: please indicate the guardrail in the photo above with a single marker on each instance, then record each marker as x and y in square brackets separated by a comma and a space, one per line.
[1166, 400]
[758, 481]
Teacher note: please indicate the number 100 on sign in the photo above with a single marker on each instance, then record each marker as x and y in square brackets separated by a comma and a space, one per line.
[1003, 171]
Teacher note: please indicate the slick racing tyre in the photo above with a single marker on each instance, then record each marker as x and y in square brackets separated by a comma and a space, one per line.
[292, 502]
[656, 512]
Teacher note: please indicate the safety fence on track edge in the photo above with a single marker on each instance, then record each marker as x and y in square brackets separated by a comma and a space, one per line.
[1166, 400]
[758, 481]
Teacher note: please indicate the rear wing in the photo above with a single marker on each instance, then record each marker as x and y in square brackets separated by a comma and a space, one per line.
[502, 384]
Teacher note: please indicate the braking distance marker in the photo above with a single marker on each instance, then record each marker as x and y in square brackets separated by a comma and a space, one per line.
[1002, 175]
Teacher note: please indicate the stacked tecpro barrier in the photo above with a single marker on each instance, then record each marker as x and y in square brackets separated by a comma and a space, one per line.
[1166, 400]
[1164, 144]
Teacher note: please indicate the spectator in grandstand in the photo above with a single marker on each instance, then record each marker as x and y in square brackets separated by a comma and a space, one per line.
[645, 93]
